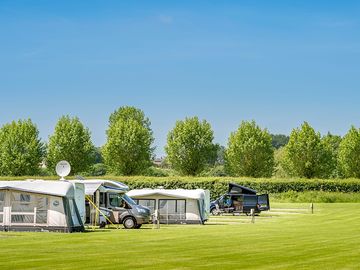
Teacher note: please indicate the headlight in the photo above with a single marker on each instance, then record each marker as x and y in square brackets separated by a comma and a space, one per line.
[141, 211]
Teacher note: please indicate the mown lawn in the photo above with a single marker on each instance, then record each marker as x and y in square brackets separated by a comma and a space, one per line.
[289, 237]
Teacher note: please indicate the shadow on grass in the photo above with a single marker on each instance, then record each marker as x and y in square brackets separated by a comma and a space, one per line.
[96, 230]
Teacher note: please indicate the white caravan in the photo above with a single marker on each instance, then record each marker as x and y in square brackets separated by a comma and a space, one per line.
[38, 205]
[175, 206]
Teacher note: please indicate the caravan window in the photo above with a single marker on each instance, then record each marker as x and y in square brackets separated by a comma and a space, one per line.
[22, 202]
[22, 218]
[42, 203]
[180, 208]
[147, 203]
[2, 202]
[29, 208]
[22, 208]
[172, 210]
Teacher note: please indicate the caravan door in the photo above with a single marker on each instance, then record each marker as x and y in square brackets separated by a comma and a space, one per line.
[263, 202]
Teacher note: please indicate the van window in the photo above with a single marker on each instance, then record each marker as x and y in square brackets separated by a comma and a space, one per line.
[128, 200]
[102, 199]
[116, 201]
[250, 200]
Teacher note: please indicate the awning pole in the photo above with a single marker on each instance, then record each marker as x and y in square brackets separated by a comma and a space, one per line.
[98, 211]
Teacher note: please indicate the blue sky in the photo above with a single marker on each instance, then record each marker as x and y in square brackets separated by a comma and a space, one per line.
[277, 62]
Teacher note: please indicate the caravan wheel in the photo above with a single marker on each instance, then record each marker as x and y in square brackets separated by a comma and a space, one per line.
[129, 223]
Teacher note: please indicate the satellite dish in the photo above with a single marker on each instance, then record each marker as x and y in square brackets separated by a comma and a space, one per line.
[63, 169]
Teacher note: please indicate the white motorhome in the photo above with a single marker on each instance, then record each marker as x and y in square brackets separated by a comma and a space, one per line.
[108, 198]
[38, 205]
[175, 206]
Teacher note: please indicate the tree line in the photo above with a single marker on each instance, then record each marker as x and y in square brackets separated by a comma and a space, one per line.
[251, 151]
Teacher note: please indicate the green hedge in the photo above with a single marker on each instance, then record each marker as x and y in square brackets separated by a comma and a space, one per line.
[219, 185]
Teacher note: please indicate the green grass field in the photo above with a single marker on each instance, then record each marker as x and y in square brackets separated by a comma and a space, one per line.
[288, 237]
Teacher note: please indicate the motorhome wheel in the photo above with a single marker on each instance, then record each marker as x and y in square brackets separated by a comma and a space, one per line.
[103, 224]
[129, 223]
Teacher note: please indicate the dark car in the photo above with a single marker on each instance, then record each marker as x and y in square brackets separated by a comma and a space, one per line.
[240, 199]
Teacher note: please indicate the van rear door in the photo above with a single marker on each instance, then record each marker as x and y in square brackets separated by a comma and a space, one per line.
[263, 202]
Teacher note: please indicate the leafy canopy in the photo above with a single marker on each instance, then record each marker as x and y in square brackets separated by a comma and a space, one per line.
[130, 113]
[307, 155]
[331, 144]
[190, 146]
[71, 141]
[128, 150]
[250, 151]
[349, 153]
[21, 150]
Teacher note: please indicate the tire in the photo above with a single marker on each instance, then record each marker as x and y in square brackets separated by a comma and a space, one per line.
[102, 225]
[214, 212]
[129, 223]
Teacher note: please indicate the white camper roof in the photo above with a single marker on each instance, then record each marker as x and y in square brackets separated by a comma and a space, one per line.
[176, 193]
[105, 185]
[56, 188]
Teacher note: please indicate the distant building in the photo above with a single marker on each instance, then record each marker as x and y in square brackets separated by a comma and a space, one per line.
[158, 162]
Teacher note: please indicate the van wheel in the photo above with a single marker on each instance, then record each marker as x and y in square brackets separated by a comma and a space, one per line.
[129, 223]
[214, 212]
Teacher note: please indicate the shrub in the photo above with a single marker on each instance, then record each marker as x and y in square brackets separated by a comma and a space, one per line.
[98, 169]
[216, 171]
[156, 172]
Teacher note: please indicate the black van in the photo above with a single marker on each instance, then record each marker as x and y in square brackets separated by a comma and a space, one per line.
[240, 199]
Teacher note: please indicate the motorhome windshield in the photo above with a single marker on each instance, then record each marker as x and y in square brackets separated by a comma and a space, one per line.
[128, 200]
[118, 200]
